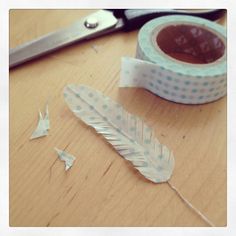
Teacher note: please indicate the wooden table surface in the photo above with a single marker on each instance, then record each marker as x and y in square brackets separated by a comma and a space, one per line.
[102, 189]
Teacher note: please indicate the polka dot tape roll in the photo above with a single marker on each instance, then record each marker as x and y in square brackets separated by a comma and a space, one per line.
[179, 58]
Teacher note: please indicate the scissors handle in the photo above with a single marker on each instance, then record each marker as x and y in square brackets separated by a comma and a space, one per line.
[136, 18]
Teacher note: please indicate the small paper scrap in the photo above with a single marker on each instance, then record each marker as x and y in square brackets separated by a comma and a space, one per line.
[66, 157]
[43, 125]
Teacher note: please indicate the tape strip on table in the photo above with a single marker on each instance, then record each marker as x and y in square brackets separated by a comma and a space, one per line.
[179, 58]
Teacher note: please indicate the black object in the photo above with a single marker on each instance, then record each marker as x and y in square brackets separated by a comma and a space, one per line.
[136, 18]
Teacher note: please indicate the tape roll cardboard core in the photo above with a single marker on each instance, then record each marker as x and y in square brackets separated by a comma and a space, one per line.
[190, 43]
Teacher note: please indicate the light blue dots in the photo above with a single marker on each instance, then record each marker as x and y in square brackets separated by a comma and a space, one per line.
[211, 89]
[169, 78]
[205, 83]
[166, 92]
[187, 82]
[199, 77]
[159, 81]
[144, 75]
[118, 117]
[104, 106]
[90, 95]
[216, 94]
[183, 96]
[132, 129]
[179, 74]
[176, 88]
[118, 130]
[162, 68]
[194, 90]
[153, 71]
[200, 97]
[151, 84]
[147, 141]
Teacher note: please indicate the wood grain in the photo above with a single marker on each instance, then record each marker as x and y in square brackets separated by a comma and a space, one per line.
[102, 189]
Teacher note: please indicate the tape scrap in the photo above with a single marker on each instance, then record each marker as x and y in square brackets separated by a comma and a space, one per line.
[66, 157]
[43, 125]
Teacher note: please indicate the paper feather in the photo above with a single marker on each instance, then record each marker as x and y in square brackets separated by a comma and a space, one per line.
[127, 133]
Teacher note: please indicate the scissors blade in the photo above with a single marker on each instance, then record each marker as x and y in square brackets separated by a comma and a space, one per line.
[58, 39]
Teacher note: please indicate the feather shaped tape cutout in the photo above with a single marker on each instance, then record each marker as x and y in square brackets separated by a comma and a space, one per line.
[128, 134]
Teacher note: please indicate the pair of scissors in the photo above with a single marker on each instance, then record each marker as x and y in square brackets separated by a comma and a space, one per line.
[97, 24]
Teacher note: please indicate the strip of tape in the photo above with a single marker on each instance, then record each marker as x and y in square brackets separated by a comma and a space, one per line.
[174, 79]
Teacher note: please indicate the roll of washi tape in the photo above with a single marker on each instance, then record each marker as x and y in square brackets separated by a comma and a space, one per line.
[179, 58]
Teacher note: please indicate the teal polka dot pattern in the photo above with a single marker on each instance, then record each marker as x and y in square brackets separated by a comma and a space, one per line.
[126, 132]
[151, 84]
[187, 82]
[147, 141]
[104, 106]
[132, 129]
[176, 88]
[118, 117]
